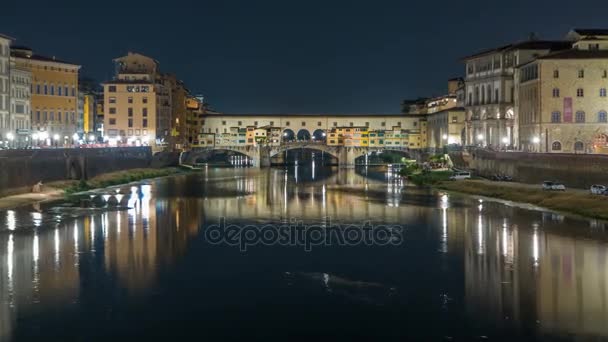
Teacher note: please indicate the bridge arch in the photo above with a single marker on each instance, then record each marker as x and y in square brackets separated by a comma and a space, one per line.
[332, 151]
[303, 135]
[288, 135]
[319, 135]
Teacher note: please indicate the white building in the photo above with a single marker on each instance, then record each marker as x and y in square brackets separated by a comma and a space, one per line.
[5, 53]
[20, 80]
[491, 118]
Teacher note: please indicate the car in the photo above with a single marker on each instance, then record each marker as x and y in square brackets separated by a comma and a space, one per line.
[597, 189]
[460, 175]
[554, 186]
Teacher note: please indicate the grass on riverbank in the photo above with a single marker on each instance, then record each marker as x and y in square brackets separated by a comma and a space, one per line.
[579, 203]
[430, 178]
[118, 177]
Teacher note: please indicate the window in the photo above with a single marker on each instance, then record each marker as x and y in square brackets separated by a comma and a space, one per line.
[59, 91]
[286, 123]
[112, 99]
[556, 117]
[240, 123]
[580, 92]
[52, 89]
[271, 123]
[454, 119]
[37, 88]
[602, 92]
[602, 116]
[130, 122]
[555, 92]
[144, 123]
[130, 99]
[556, 146]
[46, 89]
[605, 74]
[130, 111]
[319, 123]
[44, 116]
[37, 115]
[144, 100]
[594, 46]
[303, 123]
[580, 117]
[335, 124]
[555, 73]
[383, 124]
[111, 89]
[52, 116]
[366, 124]
[581, 73]
[351, 124]
[112, 110]
[59, 116]
[144, 112]
[223, 122]
[579, 146]
[255, 123]
[112, 121]
[73, 91]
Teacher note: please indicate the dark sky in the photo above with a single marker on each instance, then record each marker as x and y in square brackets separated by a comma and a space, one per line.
[293, 56]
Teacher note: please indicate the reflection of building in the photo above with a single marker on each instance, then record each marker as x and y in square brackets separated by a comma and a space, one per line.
[490, 90]
[54, 95]
[562, 97]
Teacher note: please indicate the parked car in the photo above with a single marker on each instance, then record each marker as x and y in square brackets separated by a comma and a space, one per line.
[597, 189]
[555, 186]
[460, 175]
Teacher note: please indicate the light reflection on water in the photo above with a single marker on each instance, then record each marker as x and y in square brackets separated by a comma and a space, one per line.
[506, 268]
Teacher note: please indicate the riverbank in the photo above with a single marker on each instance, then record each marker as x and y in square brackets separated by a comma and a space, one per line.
[59, 189]
[574, 201]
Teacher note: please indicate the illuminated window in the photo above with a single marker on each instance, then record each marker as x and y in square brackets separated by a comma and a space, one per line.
[112, 99]
[130, 99]
[112, 110]
[112, 121]
[130, 111]
[555, 92]
[602, 116]
[556, 117]
[130, 122]
[144, 100]
[112, 89]
[602, 92]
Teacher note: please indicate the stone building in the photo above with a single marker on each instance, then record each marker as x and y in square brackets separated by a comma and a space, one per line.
[489, 91]
[20, 109]
[5, 42]
[562, 97]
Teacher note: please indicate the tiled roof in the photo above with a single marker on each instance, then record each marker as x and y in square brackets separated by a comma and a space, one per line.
[526, 45]
[591, 32]
[577, 54]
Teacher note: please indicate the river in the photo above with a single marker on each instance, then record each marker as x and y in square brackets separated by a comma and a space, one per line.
[460, 268]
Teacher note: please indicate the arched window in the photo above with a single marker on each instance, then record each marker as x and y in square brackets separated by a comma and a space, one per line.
[555, 92]
[579, 146]
[483, 94]
[602, 117]
[556, 146]
[556, 117]
[580, 116]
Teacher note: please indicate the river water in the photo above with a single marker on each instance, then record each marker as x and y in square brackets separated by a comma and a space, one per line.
[461, 268]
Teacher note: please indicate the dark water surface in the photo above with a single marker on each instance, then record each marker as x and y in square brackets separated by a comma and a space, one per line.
[466, 268]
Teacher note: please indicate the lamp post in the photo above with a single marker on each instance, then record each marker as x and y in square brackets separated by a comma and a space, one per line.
[10, 138]
[536, 142]
[56, 139]
[480, 139]
[505, 142]
[44, 136]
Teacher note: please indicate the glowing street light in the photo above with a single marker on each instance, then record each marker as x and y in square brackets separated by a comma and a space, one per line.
[56, 137]
[536, 140]
[445, 137]
[10, 136]
[480, 137]
[91, 138]
[35, 136]
[43, 135]
[75, 137]
[505, 140]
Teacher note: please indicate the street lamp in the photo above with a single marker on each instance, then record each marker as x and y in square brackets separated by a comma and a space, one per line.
[480, 137]
[445, 137]
[10, 138]
[536, 140]
[91, 138]
[505, 140]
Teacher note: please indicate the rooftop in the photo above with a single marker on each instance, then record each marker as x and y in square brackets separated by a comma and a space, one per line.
[591, 32]
[287, 115]
[577, 54]
[36, 57]
[525, 45]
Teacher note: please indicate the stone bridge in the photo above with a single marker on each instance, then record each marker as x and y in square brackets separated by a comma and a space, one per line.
[261, 154]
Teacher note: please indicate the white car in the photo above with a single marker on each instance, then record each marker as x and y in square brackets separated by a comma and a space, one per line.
[597, 189]
[460, 175]
[555, 186]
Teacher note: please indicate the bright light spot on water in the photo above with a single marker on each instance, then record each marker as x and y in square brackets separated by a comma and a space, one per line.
[105, 198]
[119, 198]
[37, 218]
[480, 245]
[11, 221]
[535, 245]
[35, 251]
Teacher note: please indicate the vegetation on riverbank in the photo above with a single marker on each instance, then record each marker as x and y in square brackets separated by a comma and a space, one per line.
[579, 203]
[429, 178]
[119, 177]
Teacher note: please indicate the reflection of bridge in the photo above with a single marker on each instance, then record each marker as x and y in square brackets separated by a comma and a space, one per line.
[261, 154]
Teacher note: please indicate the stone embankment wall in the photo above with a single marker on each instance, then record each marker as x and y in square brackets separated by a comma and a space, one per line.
[574, 170]
[21, 169]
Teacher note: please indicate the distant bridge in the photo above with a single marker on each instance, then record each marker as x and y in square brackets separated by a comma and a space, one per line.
[261, 154]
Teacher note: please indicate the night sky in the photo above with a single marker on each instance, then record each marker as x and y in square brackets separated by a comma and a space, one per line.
[293, 56]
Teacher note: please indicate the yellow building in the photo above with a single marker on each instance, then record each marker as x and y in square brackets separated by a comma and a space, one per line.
[562, 98]
[131, 102]
[446, 127]
[54, 96]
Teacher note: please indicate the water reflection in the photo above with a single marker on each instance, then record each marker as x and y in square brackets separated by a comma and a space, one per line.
[516, 270]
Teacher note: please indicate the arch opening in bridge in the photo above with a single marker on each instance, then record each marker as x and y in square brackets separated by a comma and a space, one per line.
[224, 157]
[303, 135]
[382, 157]
[303, 156]
[319, 135]
[288, 135]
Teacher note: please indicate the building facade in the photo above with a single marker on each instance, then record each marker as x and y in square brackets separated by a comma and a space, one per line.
[20, 107]
[54, 97]
[491, 115]
[562, 97]
[5, 126]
